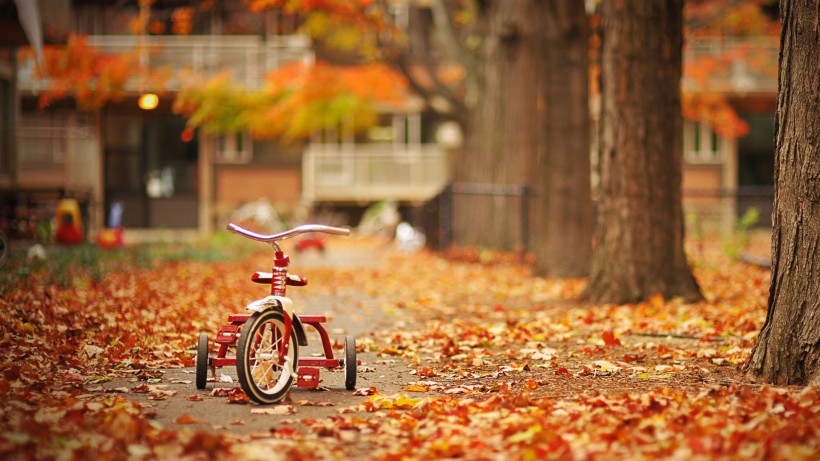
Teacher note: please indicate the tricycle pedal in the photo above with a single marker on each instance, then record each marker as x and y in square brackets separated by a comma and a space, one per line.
[227, 334]
[307, 378]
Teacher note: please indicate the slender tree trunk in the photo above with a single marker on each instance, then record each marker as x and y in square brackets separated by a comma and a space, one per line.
[502, 133]
[639, 248]
[562, 205]
[788, 348]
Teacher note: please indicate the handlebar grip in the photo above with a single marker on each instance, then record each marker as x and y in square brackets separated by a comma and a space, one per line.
[331, 230]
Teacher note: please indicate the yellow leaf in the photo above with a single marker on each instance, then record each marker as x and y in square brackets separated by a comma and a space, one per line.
[416, 388]
[395, 401]
[525, 436]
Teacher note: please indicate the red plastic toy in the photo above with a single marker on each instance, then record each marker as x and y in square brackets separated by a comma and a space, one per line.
[306, 243]
[267, 339]
[110, 238]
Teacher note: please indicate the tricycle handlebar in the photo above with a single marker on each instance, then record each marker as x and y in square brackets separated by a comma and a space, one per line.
[288, 233]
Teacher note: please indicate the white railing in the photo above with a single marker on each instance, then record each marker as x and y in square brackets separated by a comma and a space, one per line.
[373, 172]
[740, 64]
[247, 59]
[736, 65]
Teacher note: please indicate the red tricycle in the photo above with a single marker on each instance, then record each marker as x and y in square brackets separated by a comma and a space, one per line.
[267, 339]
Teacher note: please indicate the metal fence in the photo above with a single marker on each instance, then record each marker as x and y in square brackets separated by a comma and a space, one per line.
[718, 211]
[715, 212]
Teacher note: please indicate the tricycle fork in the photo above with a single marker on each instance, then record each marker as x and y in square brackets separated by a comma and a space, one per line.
[286, 339]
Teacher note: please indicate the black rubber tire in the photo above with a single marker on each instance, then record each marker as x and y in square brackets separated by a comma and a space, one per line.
[351, 363]
[262, 334]
[202, 361]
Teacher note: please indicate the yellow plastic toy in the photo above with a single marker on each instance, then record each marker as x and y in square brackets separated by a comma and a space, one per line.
[68, 222]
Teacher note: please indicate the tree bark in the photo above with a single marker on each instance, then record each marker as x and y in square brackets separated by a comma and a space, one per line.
[561, 202]
[788, 347]
[502, 132]
[639, 231]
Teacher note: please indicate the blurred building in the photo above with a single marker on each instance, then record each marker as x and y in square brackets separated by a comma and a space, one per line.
[167, 179]
[726, 176]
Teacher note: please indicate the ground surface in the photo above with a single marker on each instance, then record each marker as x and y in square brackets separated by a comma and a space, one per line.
[464, 355]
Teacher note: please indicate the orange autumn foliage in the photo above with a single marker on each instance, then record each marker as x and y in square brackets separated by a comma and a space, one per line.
[321, 96]
[716, 110]
[729, 18]
[324, 19]
[79, 70]
[339, 8]
[373, 82]
[713, 75]
[298, 99]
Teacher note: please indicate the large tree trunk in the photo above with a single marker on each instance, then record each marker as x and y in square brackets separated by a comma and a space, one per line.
[788, 348]
[502, 133]
[639, 231]
[562, 205]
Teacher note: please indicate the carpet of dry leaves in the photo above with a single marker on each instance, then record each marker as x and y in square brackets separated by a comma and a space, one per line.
[504, 366]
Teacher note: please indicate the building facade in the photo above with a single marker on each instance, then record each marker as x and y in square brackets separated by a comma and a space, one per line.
[166, 178]
[725, 176]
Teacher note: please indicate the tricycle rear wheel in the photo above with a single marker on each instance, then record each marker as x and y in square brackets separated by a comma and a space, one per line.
[260, 374]
[202, 361]
[351, 363]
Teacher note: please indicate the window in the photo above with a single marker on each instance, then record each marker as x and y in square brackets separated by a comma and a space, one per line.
[701, 144]
[234, 148]
[43, 141]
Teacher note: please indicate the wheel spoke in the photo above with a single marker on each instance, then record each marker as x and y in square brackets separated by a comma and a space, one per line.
[263, 374]
[269, 342]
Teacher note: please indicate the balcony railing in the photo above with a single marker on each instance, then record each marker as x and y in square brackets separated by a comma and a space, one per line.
[373, 172]
[731, 65]
[735, 65]
[246, 58]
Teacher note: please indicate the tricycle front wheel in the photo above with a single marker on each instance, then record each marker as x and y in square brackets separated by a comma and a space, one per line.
[261, 375]
[351, 363]
[202, 361]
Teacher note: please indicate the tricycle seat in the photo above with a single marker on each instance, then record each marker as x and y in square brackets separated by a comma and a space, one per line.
[266, 277]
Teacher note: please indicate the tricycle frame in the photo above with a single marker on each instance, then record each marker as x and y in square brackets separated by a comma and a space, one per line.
[230, 334]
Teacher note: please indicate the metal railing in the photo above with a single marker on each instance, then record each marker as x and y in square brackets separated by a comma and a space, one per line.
[373, 172]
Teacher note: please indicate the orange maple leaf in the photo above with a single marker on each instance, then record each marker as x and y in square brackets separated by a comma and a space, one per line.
[610, 340]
